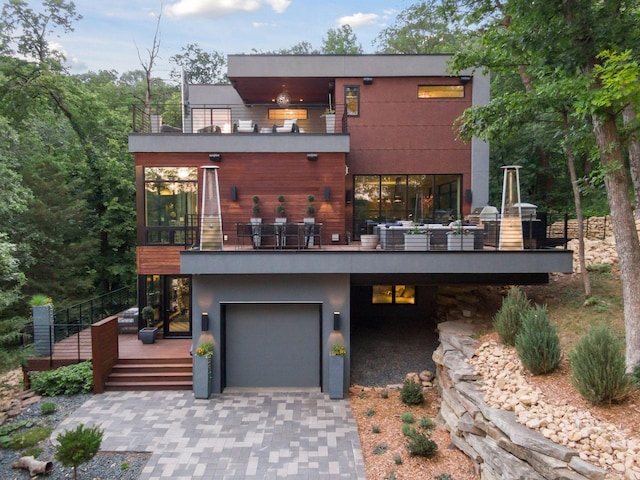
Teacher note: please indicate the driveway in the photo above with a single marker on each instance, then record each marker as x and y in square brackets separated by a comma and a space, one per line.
[263, 435]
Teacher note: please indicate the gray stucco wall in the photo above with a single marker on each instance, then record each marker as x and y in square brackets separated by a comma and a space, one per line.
[211, 292]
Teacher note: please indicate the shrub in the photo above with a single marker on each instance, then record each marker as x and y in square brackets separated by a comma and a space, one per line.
[375, 429]
[384, 394]
[426, 423]
[64, 380]
[408, 429]
[47, 408]
[28, 438]
[78, 446]
[407, 418]
[538, 344]
[598, 366]
[411, 393]
[370, 412]
[508, 319]
[380, 449]
[421, 445]
[397, 459]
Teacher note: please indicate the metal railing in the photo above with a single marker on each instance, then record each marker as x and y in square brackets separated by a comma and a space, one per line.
[77, 318]
[223, 119]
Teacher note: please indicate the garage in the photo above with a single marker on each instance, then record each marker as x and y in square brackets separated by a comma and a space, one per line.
[272, 345]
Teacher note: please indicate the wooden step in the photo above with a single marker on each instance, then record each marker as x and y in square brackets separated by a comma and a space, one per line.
[151, 374]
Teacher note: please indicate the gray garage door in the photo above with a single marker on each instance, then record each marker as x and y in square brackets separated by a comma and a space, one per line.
[272, 346]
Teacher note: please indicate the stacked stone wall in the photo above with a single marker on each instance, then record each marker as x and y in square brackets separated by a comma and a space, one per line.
[595, 228]
[500, 446]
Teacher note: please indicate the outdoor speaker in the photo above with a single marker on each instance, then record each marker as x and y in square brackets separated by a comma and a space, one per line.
[327, 194]
[215, 157]
[468, 196]
[234, 193]
[347, 196]
[205, 322]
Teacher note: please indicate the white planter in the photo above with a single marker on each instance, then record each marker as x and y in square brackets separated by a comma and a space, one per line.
[417, 242]
[202, 376]
[336, 376]
[369, 242]
[330, 122]
[460, 242]
[256, 227]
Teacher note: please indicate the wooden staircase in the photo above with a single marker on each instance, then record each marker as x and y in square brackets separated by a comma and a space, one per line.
[151, 374]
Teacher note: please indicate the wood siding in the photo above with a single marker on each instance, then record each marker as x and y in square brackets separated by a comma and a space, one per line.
[104, 350]
[158, 260]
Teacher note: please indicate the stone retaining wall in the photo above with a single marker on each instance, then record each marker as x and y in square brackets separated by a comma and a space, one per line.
[595, 228]
[500, 447]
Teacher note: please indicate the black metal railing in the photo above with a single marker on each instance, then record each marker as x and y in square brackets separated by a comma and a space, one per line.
[76, 318]
[225, 119]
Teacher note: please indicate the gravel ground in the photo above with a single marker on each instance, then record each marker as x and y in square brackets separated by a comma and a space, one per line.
[104, 466]
[384, 350]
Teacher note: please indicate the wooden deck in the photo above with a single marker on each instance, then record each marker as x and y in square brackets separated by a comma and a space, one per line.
[77, 348]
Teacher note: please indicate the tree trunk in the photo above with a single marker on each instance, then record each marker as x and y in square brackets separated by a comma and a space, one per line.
[578, 203]
[629, 116]
[624, 230]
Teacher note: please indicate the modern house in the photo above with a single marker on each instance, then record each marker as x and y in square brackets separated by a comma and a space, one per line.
[326, 152]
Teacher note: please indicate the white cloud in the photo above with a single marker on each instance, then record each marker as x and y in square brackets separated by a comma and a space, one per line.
[262, 24]
[220, 8]
[358, 19]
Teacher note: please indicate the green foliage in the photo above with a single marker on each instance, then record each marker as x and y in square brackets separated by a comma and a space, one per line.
[443, 476]
[397, 459]
[28, 438]
[64, 380]
[636, 375]
[599, 268]
[538, 344]
[375, 429]
[426, 423]
[7, 430]
[124, 466]
[392, 476]
[78, 446]
[34, 452]
[598, 367]
[384, 394]
[407, 418]
[421, 445]
[508, 320]
[408, 429]
[411, 393]
[380, 449]
[39, 300]
[47, 408]
[341, 41]
[369, 413]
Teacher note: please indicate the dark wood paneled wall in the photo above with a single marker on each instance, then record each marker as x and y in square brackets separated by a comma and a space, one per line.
[104, 350]
[158, 260]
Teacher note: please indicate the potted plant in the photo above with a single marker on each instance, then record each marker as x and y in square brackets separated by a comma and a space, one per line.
[148, 334]
[330, 120]
[459, 238]
[280, 210]
[336, 371]
[256, 222]
[203, 370]
[311, 210]
[417, 240]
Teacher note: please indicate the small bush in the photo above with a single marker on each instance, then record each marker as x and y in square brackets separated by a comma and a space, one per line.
[598, 366]
[392, 476]
[421, 445]
[64, 380]
[443, 476]
[47, 408]
[375, 429]
[508, 320]
[411, 393]
[369, 413]
[397, 459]
[407, 418]
[408, 429]
[380, 449]
[78, 446]
[538, 344]
[426, 423]
[384, 394]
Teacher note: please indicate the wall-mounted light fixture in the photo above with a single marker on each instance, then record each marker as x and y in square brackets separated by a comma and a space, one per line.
[312, 157]
[336, 321]
[464, 79]
[215, 157]
[234, 193]
[367, 80]
[348, 195]
[327, 194]
[204, 320]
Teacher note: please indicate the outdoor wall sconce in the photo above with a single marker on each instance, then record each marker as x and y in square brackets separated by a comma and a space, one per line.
[234, 193]
[465, 79]
[367, 80]
[336, 321]
[312, 157]
[205, 322]
[215, 157]
[327, 194]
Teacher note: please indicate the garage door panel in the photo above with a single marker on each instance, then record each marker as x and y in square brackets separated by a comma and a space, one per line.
[272, 346]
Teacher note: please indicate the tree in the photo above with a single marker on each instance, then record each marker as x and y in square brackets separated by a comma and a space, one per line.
[200, 66]
[341, 41]
[588, 48]
[78, 446]
[433, 26]
[302, 48]
[148, 63]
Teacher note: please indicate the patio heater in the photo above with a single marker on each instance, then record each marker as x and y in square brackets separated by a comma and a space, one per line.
[511, 214]
[210, 215]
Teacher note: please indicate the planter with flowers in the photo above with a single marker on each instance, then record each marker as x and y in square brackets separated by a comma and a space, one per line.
[417, 240]
[203, 370]
[336, 371]
[459, 238]
[42, 310]
[330, 120]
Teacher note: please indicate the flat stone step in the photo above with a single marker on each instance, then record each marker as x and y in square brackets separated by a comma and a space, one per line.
[148, 386]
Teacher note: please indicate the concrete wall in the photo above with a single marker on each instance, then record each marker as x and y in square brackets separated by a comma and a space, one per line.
[211, 292]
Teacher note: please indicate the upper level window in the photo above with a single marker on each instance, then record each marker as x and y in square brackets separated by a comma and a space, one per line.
[352, 100]
[205, 118]
[171, 195]
[440, 91]
[288, 113]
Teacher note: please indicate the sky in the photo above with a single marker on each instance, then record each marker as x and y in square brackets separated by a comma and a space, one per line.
[113, 33]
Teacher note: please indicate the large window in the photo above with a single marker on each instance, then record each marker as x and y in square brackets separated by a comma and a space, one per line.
[171, 196]
[394, 295]
[418, 198]
[352, 100]
[440, 91]
[203, 118]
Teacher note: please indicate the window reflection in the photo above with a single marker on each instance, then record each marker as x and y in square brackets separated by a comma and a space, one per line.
[394, 294]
